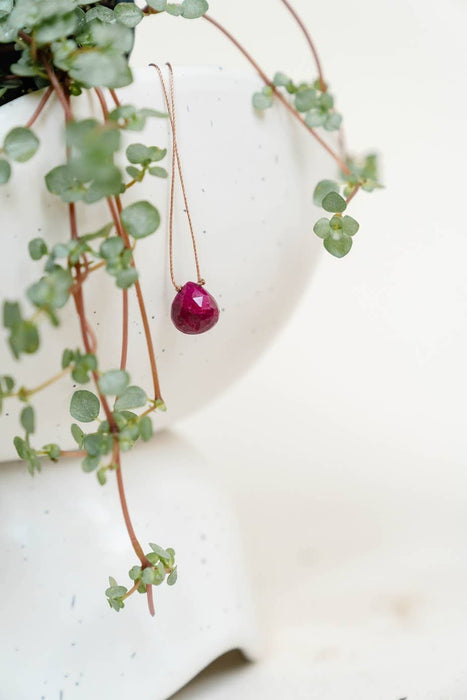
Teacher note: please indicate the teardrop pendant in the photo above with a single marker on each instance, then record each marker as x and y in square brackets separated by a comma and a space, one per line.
[194, 310]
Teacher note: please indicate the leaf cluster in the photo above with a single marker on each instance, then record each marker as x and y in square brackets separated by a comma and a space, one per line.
[189, 9]
[161, 568]
[338, 230]
[316, 104]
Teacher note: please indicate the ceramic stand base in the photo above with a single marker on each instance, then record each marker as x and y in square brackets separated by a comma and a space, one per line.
[62, 535]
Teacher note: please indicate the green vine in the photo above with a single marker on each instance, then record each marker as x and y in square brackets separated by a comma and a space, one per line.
[68, 47]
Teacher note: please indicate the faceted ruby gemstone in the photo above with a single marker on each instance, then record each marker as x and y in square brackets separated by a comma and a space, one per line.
[194, 310]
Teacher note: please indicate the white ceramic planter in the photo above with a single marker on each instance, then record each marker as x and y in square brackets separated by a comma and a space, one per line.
[249, 179]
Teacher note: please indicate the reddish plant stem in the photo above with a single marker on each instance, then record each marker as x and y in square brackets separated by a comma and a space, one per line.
[40, 107]
[353, 193]
[84, 277]
[116, 449]
[84, 324]
[124, 353]
[132, 590]
[115, 97]
[126, 514]
[310, 43]
[103, 103]
[343, 167]
[152, 612]
[115, 207]
[55, 83]
[79, 303]
[73, 453]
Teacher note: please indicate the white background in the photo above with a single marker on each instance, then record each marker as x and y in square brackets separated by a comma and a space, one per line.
[344, 448]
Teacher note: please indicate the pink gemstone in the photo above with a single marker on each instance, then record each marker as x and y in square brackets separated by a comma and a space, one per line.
[194, 310]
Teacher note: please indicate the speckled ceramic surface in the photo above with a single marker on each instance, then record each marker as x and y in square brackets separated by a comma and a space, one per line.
[62, 536]
[249, 179]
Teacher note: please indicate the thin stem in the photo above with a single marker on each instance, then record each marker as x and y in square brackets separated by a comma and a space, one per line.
[97, 266]
[310, 43]
[126, 514]
[343, 167]
[55, 83]
[40, 107]
[149, 410]
[73, 453]
[44, 385]
[152, 612]
[115, 97]
[353, 193]
[87, 335]
[132, 590]
[103, 103]
[124, 353]
[83, 278]
[115, 208]
[149, 343]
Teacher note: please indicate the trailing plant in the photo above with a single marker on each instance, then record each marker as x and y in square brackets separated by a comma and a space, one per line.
[68, 47]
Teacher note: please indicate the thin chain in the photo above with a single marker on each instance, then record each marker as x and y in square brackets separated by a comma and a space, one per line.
[170, 102]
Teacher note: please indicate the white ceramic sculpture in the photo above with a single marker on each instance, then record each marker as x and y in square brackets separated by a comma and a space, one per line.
[249, 179]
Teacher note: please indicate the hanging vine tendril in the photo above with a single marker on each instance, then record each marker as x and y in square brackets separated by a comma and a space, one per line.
[69, 47]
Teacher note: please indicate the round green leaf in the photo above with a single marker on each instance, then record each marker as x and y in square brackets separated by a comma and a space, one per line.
[5, 171]
[138, 153]
[339, 247]
[132, 397]
[114, 381]
[158, 5]
[37, 248]
[192, 9]
[21, 144]
[56, 27]
[101, 476]
[157, 153]
[333, 202]
[322, 228]
[84, 406]
[160, 551]
[315, 118]
[158, 171]
[148, 576]
[24, 338]
[261, 101]
[53, 451]
[145, 428]
[6, 7]
[172, 577]
[125, 278]
[111, 248]
[350, 226]
[173, 9]
[140, 219]
[322, 189]
[77, 433]
[21, 447]
[128, 14]
[27, 419]
[333, 121]
[306, 99]
[281, 79]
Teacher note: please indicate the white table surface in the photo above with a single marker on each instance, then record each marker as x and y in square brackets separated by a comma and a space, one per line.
[344, 448]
